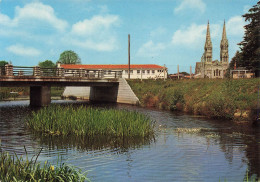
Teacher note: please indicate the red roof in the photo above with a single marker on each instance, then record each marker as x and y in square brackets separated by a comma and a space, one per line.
[111, 66]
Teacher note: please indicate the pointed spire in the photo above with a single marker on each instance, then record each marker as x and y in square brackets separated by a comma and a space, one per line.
[208, 39]
[224, 36]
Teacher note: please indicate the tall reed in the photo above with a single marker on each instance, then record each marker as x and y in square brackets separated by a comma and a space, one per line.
[82, 121]
[14, 168]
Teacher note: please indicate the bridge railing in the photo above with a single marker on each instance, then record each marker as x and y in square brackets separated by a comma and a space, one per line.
[10, 70]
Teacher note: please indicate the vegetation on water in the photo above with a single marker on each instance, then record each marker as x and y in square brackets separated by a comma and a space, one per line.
[218, 98]
[14, 168]
[5, 92]
[82, 121]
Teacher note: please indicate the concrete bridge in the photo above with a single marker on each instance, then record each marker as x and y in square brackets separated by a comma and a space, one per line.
[109, 87]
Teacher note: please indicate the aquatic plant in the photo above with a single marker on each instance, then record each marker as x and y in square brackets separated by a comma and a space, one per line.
[14, 168]
[82, 121]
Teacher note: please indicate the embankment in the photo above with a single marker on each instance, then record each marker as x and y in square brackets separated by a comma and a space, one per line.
[218, 98]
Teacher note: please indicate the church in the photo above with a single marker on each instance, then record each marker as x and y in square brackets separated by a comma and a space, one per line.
[213, 69]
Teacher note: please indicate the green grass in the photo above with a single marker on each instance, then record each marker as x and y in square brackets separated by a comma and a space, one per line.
[90, 122]
[14, 169]
[215, 98]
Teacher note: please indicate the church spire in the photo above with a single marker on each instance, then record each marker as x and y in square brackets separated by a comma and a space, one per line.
[208, 39]
[224, 46]
[208, 47]
[224, 36]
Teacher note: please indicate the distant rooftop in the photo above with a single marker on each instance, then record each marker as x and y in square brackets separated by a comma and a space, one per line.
[111, 66]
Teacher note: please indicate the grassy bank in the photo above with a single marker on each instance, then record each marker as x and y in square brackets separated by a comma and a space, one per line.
[215, 98]
[5, 92]
[82, 121]
[14, 168]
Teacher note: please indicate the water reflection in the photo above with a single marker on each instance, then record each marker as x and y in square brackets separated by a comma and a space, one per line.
[91, 143]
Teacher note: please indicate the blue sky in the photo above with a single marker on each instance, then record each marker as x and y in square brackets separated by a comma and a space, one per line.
[170, 32]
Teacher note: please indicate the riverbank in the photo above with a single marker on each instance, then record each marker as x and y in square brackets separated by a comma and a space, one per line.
[219, 98]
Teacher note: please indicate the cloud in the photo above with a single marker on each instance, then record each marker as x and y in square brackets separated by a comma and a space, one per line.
[96, 33]
[39, 12]
[195, 35]
[191, 4]
[235, 26]
[33, 14]
[150, 49]
[21, 50]
[95, 24]
[191, 36]
[104, 45]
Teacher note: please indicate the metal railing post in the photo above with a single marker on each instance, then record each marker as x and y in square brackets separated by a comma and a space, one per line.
[36, 71]
[60, 72]
[9, 70]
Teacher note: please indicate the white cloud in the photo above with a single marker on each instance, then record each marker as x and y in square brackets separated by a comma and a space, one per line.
[191, 4]
[23, 51]
[96, 33]
[190, 36]
[195, 35]
[150, 49]
[94, 25]
[38, 11]
[235, 26]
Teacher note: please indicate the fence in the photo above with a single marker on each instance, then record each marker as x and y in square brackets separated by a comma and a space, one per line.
[21, 71]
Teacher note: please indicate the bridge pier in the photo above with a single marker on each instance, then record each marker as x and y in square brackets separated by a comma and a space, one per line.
[40, 95]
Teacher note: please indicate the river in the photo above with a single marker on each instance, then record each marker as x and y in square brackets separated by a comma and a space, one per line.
[185, 147]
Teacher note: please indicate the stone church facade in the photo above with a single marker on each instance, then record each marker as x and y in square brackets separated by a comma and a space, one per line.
[213, 69]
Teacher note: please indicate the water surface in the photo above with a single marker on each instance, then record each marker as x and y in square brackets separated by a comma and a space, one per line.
[185, 148]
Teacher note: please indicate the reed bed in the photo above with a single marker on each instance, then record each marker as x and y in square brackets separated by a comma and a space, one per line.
[82, 121]
[14, 169]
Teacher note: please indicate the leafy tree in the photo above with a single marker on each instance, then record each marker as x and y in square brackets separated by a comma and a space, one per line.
[250, 46]
[3, 63]
[236, 59]
[69, 57]
[47, 64]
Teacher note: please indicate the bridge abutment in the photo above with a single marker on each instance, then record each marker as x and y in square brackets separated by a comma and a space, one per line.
[107, 94]
[40, 95]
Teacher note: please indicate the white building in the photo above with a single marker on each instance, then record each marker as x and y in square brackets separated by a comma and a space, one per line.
[137, 71]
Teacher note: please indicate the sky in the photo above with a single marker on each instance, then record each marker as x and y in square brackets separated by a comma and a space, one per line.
[170, 32]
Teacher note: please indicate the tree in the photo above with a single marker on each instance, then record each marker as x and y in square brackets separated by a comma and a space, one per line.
[3, 63]
[69, 57]
[236, 59]
[47, 64]
[250, 46]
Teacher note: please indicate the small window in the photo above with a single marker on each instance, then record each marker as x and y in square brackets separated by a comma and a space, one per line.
[131, 71]
[148, 71]
[138, 71]
[143, 71]
[109, 72]
[153, 71]
[158, 70]
[126, 71]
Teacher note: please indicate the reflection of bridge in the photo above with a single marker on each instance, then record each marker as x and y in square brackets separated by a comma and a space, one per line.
[103, 86]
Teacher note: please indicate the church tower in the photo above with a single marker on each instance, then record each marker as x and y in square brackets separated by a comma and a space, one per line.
[208, 48]
[224, 47]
